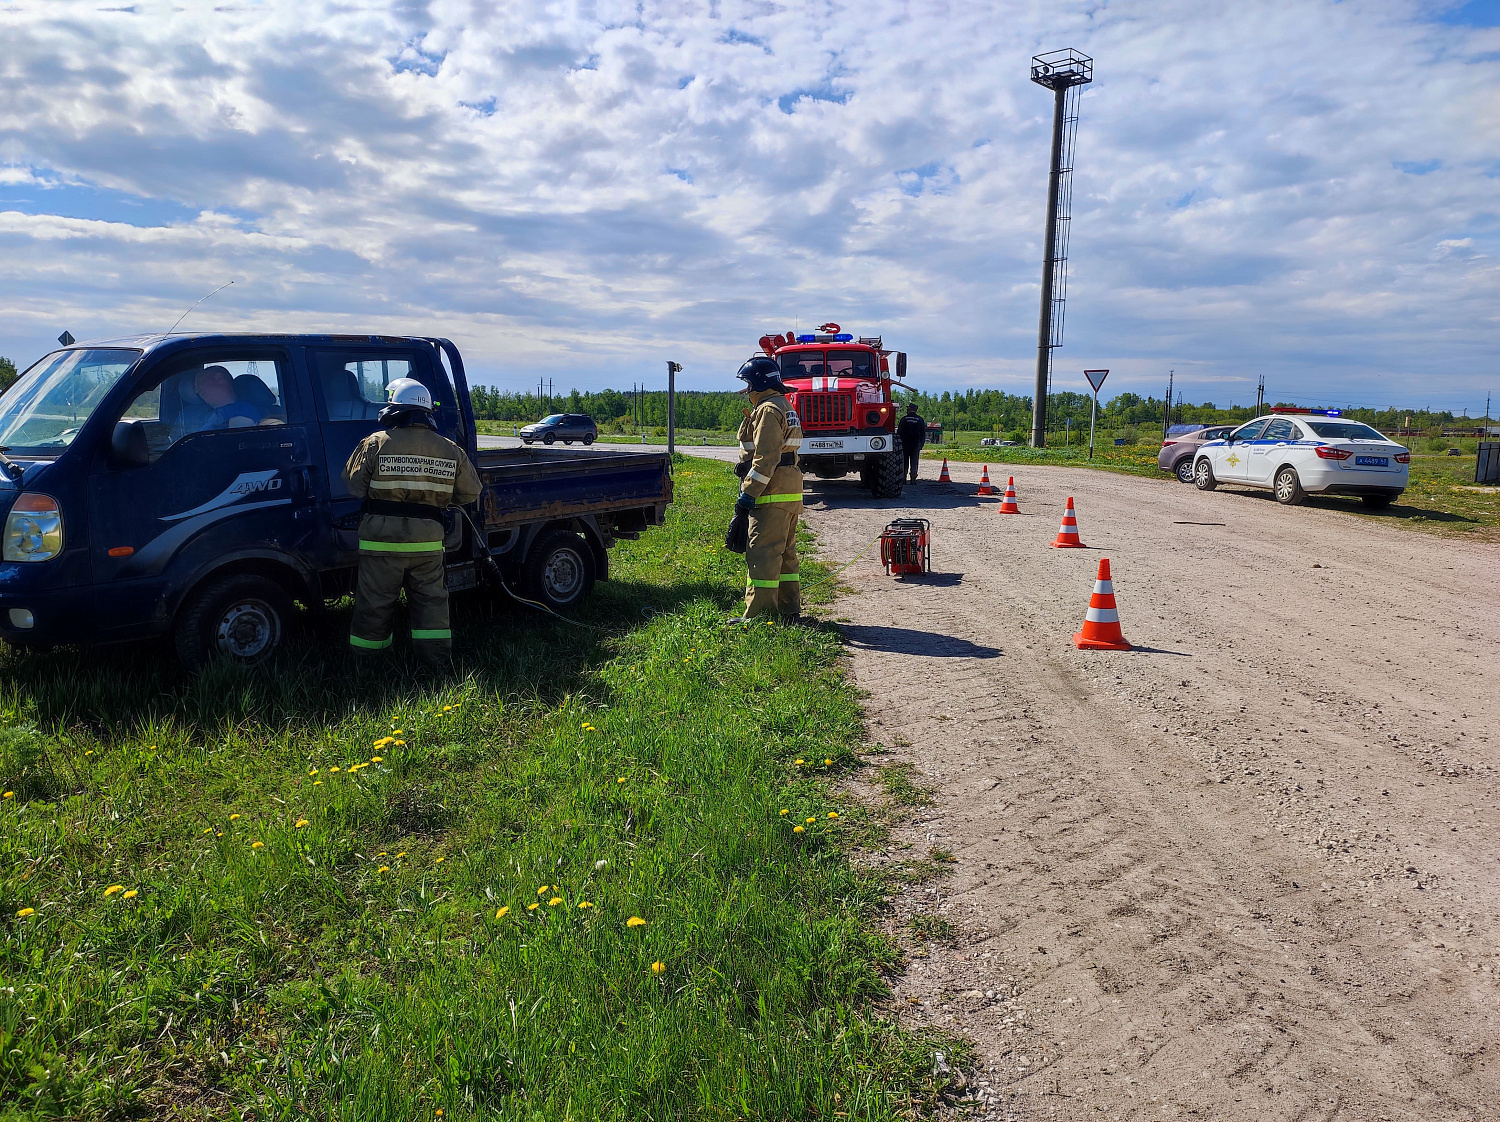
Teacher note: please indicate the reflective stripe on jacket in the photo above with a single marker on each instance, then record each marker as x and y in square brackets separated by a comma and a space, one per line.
[411, 464]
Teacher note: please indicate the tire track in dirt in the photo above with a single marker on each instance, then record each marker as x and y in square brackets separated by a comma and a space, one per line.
[1248, 871]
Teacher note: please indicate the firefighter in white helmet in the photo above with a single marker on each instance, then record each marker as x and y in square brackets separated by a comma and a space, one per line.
[408, 474]
[771, 494]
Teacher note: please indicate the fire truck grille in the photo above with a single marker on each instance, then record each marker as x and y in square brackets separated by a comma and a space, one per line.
[825, 410]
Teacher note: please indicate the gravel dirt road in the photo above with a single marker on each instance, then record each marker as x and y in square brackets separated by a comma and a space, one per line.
[1250, 870]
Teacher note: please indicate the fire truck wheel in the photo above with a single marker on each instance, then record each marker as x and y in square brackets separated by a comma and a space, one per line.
[889, 476]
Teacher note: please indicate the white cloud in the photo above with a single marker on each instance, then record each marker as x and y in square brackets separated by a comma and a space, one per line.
[1304, 190]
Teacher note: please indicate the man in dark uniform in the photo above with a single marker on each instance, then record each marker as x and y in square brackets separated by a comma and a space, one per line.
[771, 494]
[408, 475]
[912, 432]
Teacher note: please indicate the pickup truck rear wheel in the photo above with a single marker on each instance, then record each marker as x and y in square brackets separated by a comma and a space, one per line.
[560, 569]
[889, 475]
[241, 619]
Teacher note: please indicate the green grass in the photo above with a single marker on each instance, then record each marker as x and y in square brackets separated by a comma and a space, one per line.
[413, 936]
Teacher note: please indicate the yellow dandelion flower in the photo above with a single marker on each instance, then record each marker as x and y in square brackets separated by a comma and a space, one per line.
[532, 907]
[24, 912]
[133, 892]
[798, 830]
[299, 823]
[208, 829]
[783, 814]
[658, 967]
[384, 740]
[620, 780]
[833, 814]
[333, 771]
[801, 762]
[257, 845]
[439, 861]
[383, 869]
[232, 817]
[584, 904]
[556, 900]
[635, 921]
[382, 853]
[400, 744]
[401, 855]
[377, 760]
[220, 834]
[543, 890]
[827, 763]
[8, 795]
[90, 752]
[317, 783]
[810, 821]
[501, 913]
[112, 889]
[314, 771]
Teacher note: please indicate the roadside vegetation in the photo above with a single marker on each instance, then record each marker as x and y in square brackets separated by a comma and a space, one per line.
[603, 875]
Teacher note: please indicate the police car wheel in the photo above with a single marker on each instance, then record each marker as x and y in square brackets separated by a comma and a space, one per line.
[1203, 476]
[560, 569]
[240, 619]
[1289, 487]
[1185, 470]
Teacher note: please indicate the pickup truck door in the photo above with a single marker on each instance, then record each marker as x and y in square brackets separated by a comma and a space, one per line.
[231, 453]
[349, 384]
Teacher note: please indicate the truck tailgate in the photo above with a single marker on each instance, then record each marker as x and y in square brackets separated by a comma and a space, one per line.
[530, 484]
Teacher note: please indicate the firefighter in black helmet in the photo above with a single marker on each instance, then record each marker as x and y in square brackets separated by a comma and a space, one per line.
[771, 494]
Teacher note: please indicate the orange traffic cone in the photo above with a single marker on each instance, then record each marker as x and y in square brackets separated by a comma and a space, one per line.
[984, 482]
[943, 476]
[1008, 504]
[1067, 537]
[1101, 626]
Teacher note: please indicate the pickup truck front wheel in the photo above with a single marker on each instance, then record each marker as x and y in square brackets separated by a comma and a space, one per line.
[560, 570]
[241, 619]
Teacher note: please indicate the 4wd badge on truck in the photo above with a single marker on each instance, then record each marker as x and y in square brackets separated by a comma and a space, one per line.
[246, 483]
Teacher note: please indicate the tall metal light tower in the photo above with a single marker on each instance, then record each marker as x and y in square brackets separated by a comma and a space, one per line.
[1062, 72]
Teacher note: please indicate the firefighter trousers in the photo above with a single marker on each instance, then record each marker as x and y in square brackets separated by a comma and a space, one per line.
[381, 578]
[774, 585]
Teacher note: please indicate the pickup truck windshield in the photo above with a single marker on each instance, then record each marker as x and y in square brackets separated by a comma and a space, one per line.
[43, 411]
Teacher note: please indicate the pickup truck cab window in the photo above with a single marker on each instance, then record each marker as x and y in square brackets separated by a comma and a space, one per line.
[43, 411]
[214, 392]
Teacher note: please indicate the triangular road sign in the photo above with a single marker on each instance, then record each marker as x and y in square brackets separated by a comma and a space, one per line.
[1096, 378]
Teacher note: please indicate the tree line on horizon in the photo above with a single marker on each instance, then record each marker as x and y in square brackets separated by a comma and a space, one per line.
[992, 411]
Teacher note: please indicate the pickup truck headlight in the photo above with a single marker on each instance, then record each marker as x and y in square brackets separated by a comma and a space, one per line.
[33, 529]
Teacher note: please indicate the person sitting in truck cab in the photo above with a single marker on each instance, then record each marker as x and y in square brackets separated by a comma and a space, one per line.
[215, 386]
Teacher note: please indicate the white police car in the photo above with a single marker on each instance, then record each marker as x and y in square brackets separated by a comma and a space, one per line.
[1300, 452]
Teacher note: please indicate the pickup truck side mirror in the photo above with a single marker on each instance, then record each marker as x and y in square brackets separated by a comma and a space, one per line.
[127, 445]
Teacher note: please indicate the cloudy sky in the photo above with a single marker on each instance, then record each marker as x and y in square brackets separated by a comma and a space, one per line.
[1299, 189]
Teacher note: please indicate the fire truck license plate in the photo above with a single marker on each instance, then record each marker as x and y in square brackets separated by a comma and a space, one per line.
[825, 443]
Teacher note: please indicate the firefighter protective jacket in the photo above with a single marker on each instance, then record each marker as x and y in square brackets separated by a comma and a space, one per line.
[409, 465]
[769, 435]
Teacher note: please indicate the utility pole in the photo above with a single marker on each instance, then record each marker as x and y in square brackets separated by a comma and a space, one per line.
[1062, 72]
[1166, 408]
[673, 369]
[1260, 396]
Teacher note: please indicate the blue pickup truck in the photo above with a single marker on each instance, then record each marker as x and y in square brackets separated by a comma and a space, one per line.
[192, 486]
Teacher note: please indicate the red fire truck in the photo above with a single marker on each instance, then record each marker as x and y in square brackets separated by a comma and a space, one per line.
[841, 389]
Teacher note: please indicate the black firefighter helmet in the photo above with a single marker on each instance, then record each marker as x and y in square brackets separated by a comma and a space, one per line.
[761, 373]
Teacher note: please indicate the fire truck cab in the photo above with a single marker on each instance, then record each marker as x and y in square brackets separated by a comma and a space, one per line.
[841, 389]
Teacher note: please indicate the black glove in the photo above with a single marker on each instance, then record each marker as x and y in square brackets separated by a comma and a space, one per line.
[737, 540]
[745, 503]
[742, 468]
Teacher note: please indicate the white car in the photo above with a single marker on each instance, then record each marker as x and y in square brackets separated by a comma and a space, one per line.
[1314, 451]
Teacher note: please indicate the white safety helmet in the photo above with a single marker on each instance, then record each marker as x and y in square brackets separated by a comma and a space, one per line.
[409, 391]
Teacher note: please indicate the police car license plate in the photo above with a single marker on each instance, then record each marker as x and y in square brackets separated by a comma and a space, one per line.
[1372, 461]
